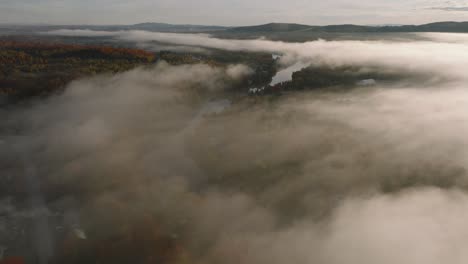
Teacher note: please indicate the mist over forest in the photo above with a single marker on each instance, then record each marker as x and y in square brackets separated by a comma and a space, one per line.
[134, 146]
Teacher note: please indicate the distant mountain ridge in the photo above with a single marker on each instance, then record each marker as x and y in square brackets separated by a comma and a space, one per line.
[455, 27]
[155, 27]
[172, 28]
[271, 27]
[460, 27]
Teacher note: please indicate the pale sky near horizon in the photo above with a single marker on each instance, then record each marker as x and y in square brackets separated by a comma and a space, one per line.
[231, 12]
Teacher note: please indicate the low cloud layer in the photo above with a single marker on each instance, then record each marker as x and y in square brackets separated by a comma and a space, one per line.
[441, 54]
[160, 165]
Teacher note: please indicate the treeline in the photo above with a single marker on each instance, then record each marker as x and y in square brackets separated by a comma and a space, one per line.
[31, 68]
[36, 68]
[45, 49]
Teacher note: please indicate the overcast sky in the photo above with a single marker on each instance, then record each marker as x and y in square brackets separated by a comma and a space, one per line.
[231, 12]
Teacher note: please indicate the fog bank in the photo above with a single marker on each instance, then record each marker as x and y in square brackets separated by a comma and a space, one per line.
[160, 165]
[441, 54]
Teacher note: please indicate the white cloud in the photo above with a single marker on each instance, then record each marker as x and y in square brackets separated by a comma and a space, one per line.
[444, 54]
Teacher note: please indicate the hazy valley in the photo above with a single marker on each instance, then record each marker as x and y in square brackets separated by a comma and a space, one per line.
[279, 143]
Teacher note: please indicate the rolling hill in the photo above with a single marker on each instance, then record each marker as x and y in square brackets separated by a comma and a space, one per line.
[272, 27]
[460, 27]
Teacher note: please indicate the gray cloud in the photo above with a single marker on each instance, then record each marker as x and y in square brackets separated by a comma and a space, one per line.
[451, 8]
[229, 13]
